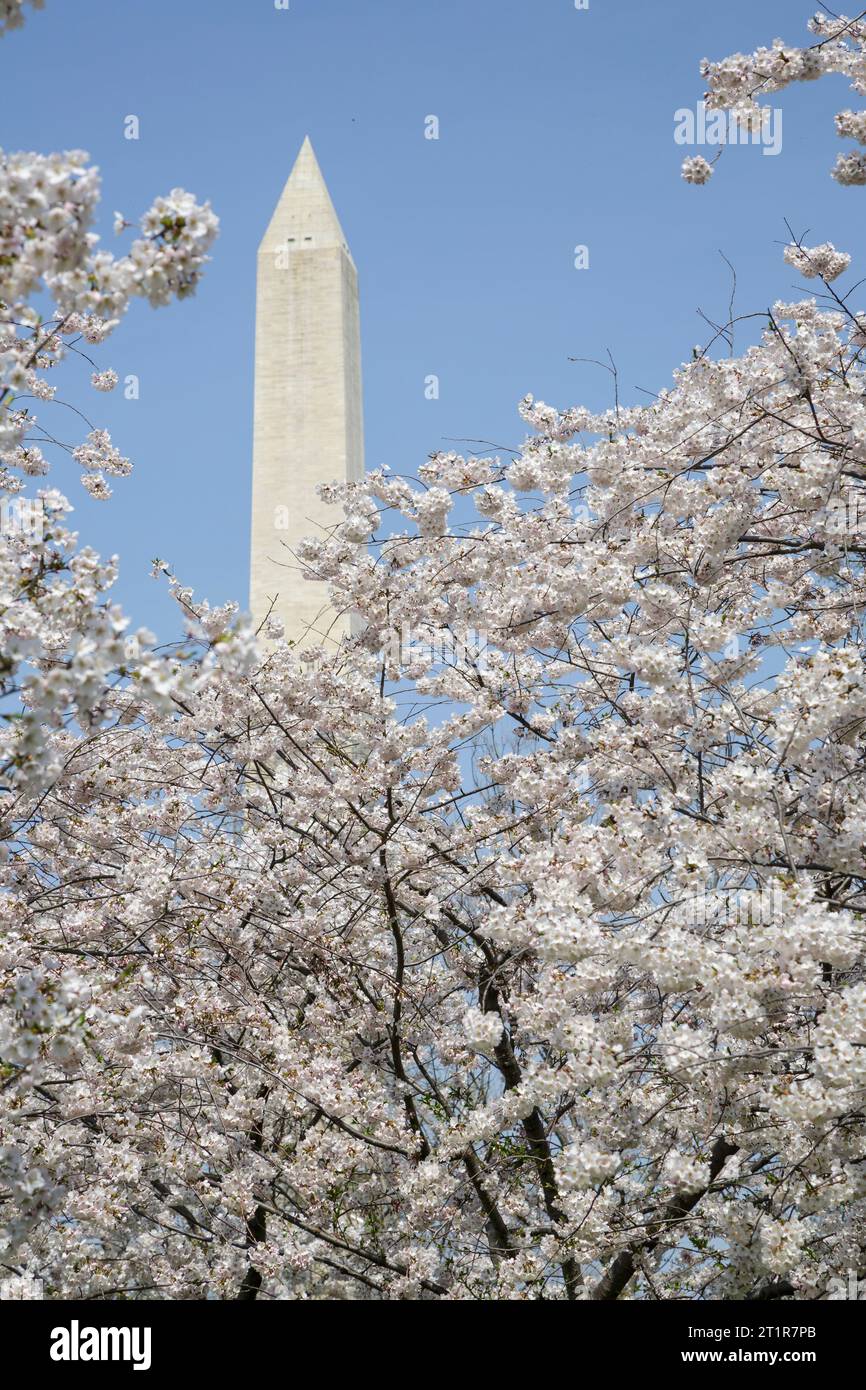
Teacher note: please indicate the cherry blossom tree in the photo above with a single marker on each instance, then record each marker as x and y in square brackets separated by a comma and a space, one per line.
[12, 13]
[739, 83]
[62, 643]
[512, 949]
[60, 637]
[523, 970]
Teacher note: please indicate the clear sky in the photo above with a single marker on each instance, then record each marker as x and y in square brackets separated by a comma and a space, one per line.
[556, 130]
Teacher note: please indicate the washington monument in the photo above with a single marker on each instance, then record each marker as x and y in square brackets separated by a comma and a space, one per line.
[308, 413]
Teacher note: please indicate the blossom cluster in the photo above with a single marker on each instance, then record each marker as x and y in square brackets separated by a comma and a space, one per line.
[48, 246]
[12, 13]
[823, 262]
[739, 82]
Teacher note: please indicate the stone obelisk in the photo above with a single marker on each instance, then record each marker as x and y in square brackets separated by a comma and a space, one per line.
[308, 413]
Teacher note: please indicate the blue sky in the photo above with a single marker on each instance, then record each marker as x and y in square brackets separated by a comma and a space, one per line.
[556, 129]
